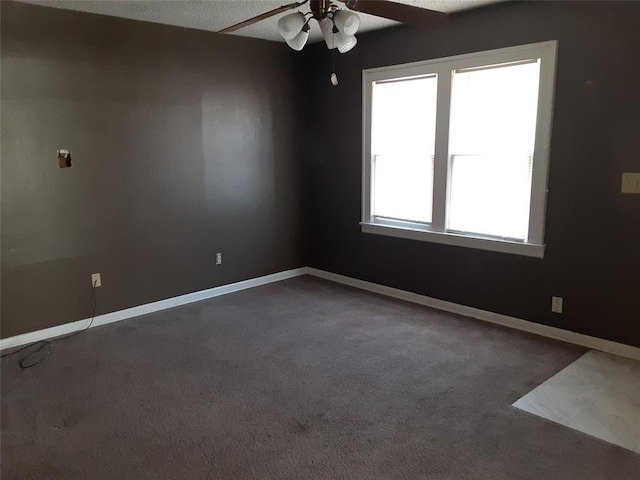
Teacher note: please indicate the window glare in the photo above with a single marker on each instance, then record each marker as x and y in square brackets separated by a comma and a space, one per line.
[403, 187]
[490, 195]
[403, 128]
[492, 135]
[494, 110]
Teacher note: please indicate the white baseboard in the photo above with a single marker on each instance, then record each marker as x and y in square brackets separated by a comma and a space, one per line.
[67, 328]
[497, 318]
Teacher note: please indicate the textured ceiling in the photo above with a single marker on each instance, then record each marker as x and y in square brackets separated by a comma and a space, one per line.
[215, 15]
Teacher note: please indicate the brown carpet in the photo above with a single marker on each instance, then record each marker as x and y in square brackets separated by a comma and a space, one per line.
[302, 379]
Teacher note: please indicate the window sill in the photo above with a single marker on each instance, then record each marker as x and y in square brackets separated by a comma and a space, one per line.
[446, 238]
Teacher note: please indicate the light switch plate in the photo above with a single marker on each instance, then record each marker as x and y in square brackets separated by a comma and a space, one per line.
[631, 183]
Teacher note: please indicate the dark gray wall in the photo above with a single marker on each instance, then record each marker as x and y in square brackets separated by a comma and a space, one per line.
[183, 146]
[592, 230]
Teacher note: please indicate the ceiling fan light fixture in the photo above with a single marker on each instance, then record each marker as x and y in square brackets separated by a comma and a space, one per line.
[346, 22]
[339, 26]
[299, 41]
[326, 26]
[291, 25]
[345, 42]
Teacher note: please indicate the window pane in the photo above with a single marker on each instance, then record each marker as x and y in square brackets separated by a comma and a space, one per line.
[490, 194]
[492, 134]
[403, 187]
[402, 144]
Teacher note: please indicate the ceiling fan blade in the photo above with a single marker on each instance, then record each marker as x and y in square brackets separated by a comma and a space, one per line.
[263, 16]
[409, 14]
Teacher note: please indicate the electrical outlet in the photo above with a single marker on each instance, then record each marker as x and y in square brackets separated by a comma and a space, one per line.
[96, 281]
[218, 258]
[631, 183]
[556, 304]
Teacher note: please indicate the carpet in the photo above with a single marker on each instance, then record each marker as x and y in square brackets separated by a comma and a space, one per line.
[301, 379]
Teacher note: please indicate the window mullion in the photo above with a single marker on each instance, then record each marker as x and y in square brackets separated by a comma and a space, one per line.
[441, 155]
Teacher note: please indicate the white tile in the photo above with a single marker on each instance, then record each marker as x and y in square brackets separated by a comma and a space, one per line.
[608, 426]
[552, 403]
[598, 394]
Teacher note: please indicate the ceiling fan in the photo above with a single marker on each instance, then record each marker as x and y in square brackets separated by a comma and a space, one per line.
[339, 25]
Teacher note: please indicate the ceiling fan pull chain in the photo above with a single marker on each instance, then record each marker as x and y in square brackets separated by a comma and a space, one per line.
[334, 77]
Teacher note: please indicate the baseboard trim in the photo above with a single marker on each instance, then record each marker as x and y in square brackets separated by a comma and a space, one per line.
[68, 328]
[484, 315]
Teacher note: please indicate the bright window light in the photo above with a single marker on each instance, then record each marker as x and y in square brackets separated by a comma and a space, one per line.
[456, 150]
[492, 135]
[403, 137]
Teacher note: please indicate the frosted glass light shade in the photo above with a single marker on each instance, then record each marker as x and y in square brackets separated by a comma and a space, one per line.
[326, 26]
[291, 25]
[299, 41]
[347, 22]
[345, 42]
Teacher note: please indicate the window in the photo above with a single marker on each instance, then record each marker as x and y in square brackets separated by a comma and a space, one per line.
[456, 149]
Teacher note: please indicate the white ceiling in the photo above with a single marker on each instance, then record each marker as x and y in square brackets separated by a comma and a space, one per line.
[215, 15]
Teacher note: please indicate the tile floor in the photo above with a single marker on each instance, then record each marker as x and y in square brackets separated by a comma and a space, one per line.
[598, 394]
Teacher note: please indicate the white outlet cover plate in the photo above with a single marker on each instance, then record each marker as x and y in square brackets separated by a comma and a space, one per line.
[631, 183]
[96, 281]
[556, 304]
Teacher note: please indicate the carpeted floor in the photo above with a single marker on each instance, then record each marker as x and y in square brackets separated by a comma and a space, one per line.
[301, 379]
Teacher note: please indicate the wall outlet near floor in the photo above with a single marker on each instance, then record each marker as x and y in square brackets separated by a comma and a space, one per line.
[556, 304]
[96, 281]
[218, 259]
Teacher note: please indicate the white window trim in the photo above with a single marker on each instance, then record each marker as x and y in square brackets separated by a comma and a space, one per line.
[443, 67]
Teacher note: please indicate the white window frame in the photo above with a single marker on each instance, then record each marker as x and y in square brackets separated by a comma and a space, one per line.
[444, 67]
